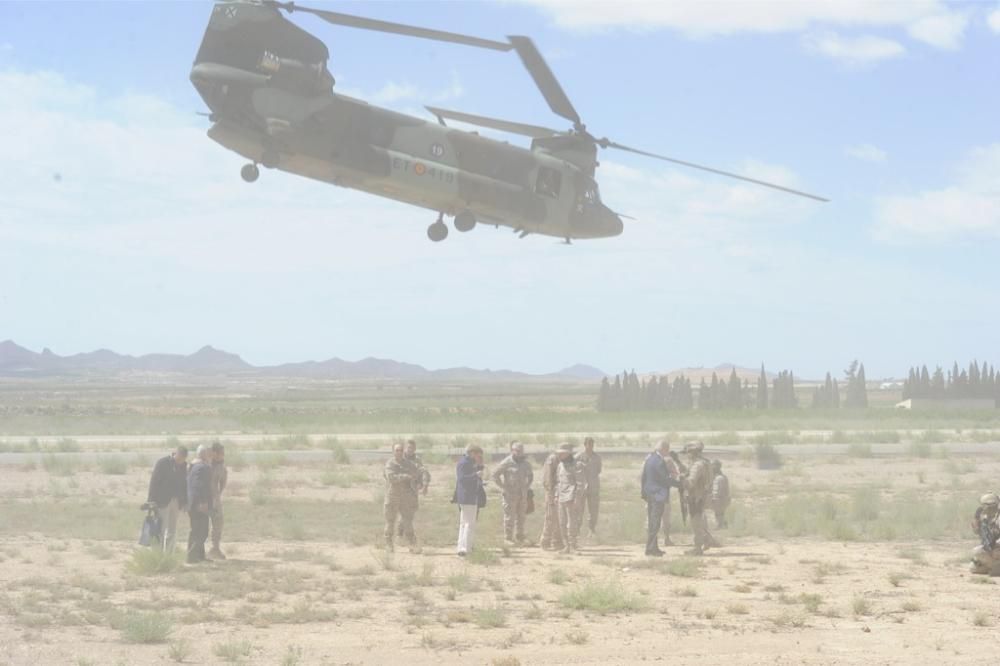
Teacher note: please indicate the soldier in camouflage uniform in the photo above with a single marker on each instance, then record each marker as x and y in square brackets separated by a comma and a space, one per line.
[410, 453]
[676, 471]
[986, 525]
[590, 499]
[551, 538]
[721, 497]
[402, 481]
[220, 476]
[698, 486]
[514, 476]
[568, 487]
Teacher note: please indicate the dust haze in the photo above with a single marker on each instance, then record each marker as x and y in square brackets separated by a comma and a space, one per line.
[253, 412]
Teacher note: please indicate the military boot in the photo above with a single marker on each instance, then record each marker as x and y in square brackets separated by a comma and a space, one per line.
[216, 553]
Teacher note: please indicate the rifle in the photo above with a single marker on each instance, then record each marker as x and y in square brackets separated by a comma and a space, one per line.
[680, 487]
[684, 505]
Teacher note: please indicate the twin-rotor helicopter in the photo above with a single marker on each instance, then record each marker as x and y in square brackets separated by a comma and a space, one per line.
[271, 99]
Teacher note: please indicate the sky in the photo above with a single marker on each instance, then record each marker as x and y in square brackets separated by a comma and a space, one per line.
[123, 226]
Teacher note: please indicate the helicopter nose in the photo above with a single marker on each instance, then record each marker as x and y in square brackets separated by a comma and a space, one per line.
[614, 224]
[597, 222]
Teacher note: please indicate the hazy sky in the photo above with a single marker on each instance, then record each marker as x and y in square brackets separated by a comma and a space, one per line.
[123, 226]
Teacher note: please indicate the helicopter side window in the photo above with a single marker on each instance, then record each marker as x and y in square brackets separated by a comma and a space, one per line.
[548, 183]
[590, 195]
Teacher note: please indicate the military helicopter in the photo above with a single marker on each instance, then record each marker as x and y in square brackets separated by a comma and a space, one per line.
[270, 93]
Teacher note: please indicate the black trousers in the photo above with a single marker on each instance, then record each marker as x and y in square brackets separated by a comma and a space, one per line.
[654, 516]
[198, 536]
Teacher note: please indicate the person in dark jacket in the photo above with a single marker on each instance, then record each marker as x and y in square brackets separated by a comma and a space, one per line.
[199, 487]
[168, 493]
[469, 496]
[656, 483]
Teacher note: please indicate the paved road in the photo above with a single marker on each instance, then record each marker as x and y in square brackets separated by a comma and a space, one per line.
[156, 441]
[369, 455]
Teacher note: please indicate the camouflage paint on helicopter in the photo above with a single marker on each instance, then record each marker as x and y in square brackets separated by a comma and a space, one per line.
[271, 98]
[266, 82]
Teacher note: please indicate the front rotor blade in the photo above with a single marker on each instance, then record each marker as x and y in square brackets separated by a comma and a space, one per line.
[534, 131]
[544, 78]
[612, 144]
[396, 28]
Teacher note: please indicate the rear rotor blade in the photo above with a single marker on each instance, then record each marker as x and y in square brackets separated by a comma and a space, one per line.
[534, 131]
[395, 28]
[604, 143]
[545, 79]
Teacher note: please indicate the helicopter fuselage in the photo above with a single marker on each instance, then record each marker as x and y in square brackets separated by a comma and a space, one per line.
[272, 101]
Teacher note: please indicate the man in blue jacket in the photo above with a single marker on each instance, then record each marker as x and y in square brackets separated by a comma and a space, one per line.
[656, 483]
[469, 496]
[199, 487]
[168, 493]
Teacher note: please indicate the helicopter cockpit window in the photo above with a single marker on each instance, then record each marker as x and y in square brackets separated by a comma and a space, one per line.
[591, 195]
[548, 183]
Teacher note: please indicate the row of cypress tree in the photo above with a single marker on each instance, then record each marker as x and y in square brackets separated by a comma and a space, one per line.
[827, 394]
[628, 392]
[974, 382]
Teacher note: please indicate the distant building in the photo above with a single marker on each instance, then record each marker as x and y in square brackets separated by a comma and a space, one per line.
[958, 404]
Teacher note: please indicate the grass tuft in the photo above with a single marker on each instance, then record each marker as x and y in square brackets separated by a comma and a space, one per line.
[233, 652]
[861, 606]
[483, 556]
[143, 627]
[490, 617]
[684, 567]
[982, 619]
[153, 562]
[603, 598]
[766, 455]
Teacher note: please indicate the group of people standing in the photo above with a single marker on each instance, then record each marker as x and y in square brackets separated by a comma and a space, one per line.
[176, 487]
[571, 485]
[700, 485]
[572, 490]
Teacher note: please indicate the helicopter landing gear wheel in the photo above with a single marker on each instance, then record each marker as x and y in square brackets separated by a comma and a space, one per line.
[250, 173]
[465, 221]
[438, 231]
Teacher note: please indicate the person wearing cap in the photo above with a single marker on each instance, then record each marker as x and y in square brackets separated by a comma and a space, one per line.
[698, 487]
[551, 538]
[676, 470]
[986, 525]
[566, 493]
[401, 479]
[721, 497]
[422, 483]
[514, 476]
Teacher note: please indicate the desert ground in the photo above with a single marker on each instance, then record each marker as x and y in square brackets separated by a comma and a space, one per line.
[848, 557]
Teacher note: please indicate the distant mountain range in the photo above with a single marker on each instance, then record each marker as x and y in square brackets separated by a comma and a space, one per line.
[16, 361]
